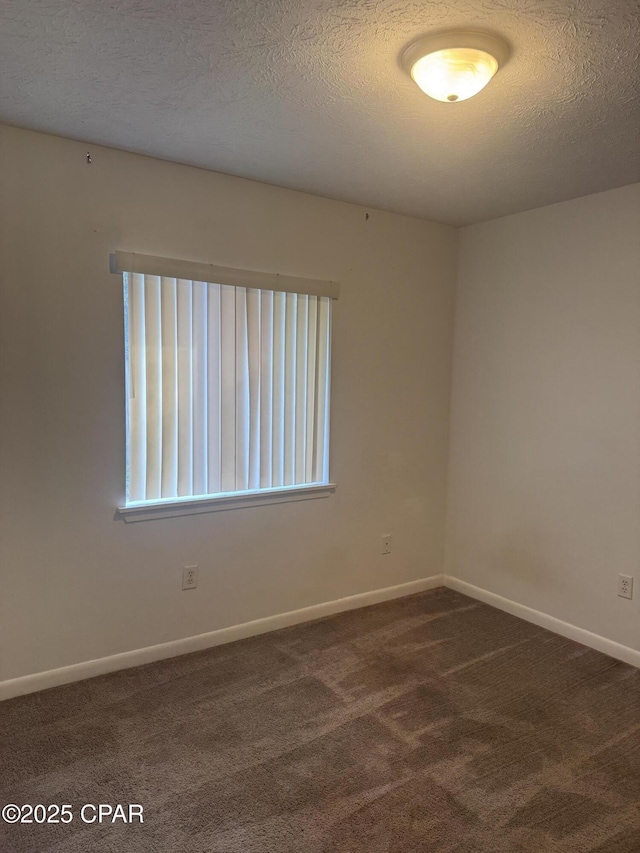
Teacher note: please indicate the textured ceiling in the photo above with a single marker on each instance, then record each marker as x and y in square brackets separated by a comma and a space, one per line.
[309, 94]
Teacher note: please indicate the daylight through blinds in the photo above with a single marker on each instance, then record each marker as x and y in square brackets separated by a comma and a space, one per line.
[227, 388]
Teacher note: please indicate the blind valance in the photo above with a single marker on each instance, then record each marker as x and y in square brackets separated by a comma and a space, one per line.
[133, 262]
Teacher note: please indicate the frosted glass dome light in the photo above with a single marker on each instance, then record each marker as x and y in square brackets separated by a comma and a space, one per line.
[454, 66]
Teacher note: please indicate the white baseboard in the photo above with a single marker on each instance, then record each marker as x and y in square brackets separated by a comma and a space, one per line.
[565, 629]
[125, 660]
[89, 669]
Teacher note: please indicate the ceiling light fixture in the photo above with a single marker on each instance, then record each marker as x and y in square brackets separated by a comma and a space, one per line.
[455, 65]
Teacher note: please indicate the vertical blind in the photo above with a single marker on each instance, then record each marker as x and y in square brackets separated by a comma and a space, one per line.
[227, 388]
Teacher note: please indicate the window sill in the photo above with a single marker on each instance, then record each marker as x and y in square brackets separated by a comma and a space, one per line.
[172, 507]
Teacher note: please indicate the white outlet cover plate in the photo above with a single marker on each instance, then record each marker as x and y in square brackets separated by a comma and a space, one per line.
[625, 586]
[189, 577]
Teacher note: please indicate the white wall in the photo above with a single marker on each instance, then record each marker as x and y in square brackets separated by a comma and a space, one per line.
[75, 583]
[544, 490]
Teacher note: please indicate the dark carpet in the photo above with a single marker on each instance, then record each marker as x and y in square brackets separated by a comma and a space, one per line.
[430, 723]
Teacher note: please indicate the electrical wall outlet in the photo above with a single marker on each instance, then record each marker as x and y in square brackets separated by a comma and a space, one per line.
[386, 544]
[625, 586]
[189, 577]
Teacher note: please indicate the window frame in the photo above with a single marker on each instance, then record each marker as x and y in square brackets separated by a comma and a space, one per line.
[174, 506]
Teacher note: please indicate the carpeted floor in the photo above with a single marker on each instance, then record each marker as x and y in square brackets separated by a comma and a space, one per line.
[430, 723]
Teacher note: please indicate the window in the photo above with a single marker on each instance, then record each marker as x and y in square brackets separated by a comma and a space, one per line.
[227, 383]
